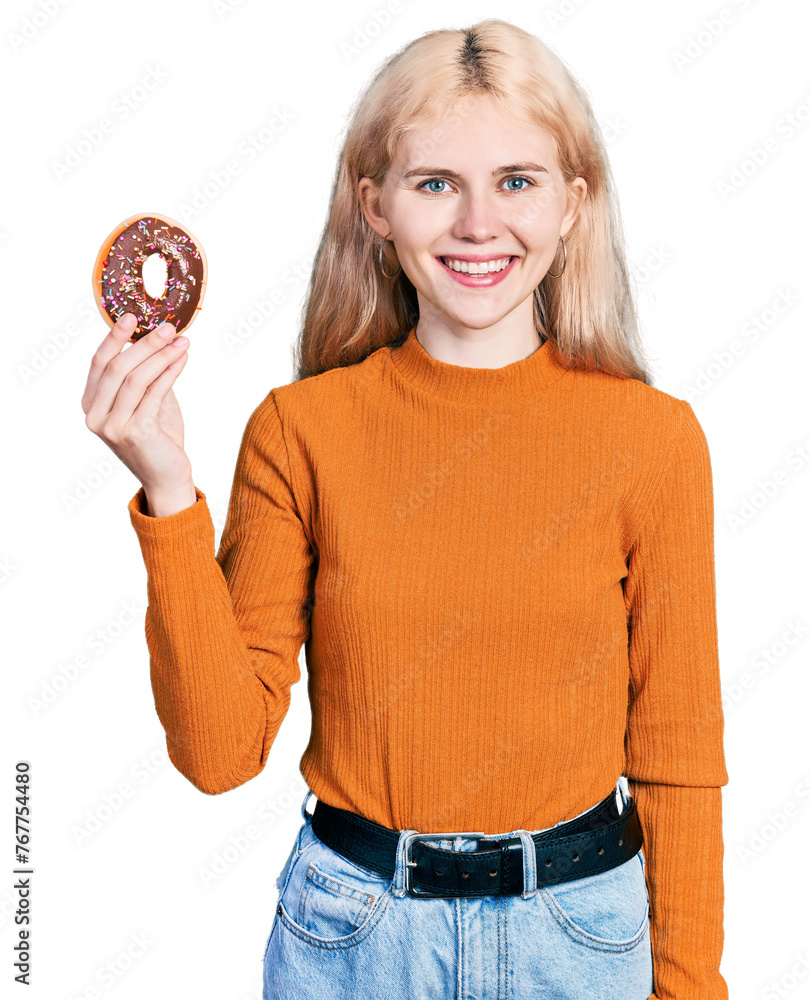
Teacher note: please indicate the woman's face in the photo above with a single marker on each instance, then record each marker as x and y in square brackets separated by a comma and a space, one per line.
[477, 183]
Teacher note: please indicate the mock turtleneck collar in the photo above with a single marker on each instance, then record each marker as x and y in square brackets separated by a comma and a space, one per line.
[459, 384]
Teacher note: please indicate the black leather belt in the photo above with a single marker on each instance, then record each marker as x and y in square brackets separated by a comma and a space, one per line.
[600, 839]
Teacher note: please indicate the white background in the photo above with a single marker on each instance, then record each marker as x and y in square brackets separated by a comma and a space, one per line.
[708, 261]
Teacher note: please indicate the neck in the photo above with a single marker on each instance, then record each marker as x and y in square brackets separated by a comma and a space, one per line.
[474, 384]
[482, 349]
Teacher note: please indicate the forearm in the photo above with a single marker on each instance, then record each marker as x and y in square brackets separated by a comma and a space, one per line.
[683, 848]
[208, 697]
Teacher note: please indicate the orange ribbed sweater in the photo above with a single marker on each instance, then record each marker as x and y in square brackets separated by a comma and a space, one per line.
[504, 579]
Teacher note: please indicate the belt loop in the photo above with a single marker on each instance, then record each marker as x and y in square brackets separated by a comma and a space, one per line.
[529, 864]
[624, 792]
[398, 886]
[304, 812]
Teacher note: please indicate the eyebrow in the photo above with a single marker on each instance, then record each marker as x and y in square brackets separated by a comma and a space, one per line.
[512, 168]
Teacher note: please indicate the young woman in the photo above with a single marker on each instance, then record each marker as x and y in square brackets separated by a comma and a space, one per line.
[495, 538]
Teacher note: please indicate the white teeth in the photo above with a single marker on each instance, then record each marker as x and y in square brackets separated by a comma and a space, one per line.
[470, 267]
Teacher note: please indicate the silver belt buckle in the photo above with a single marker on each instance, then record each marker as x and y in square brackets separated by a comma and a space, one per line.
[409, 839]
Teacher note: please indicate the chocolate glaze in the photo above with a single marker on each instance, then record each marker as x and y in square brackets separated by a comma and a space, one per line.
[122, 287]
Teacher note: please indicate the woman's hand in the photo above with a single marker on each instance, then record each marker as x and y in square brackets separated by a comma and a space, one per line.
[129, 403]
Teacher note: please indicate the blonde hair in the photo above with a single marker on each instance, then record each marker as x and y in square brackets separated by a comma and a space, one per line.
[588, 312]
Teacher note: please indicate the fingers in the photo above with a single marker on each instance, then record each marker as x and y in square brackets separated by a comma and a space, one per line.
[137, 388]
[111, 345]
[118, 375]
[144, 419]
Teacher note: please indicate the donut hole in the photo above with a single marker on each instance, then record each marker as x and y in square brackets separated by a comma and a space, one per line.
[155, 274]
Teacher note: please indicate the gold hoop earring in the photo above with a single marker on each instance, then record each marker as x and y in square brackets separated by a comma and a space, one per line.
[565, 260]
[381, 262]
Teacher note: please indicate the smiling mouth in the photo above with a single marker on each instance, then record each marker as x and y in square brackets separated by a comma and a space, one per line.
[474, 267]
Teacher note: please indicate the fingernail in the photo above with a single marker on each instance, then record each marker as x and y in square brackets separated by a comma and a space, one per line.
[167, 331]
[128, 321]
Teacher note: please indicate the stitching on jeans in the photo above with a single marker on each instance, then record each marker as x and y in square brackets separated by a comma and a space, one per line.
[337, 944]
[299, 853]
[331, 884]
[460, 932]
[587, 940]
[498, 933]
[506, 935]
[310, 881]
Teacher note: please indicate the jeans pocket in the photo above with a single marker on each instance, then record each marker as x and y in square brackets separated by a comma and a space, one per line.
[329, 901]
[331, 907]
[608, 911]
[302, 843]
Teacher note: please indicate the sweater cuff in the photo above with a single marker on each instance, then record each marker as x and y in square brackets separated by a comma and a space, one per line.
[191, 518]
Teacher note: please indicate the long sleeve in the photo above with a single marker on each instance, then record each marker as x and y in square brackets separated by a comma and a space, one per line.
[675, 762]
[224, 631]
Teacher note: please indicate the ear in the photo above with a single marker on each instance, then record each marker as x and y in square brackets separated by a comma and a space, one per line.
[577, 192]
[369, 195]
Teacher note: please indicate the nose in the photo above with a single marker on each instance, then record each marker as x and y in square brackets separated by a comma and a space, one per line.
[478, 218]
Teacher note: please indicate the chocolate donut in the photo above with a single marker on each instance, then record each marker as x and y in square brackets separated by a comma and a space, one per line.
[118, 285]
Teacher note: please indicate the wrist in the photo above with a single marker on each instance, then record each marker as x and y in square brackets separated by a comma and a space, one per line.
[164, 503]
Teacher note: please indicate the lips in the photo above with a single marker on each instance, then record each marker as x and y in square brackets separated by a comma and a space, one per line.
[484, 279]
[475, 260]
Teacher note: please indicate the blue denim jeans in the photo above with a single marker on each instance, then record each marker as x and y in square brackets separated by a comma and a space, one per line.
[341, 931]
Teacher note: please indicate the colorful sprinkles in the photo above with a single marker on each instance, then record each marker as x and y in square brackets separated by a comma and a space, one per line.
[122, 287]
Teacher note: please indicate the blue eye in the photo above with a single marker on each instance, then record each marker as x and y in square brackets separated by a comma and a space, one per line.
[441, 180]
[519, 179]
[433, 180]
